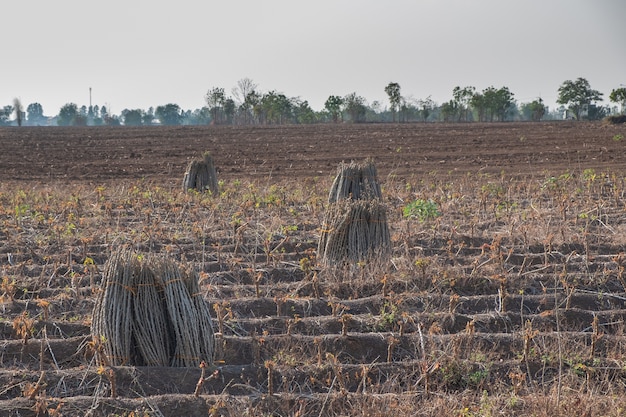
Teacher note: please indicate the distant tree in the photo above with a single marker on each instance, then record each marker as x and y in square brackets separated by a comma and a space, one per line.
[132, 117]
[229, 109]
[303, 113]
[595, 112]
[449, 110]
[479, 104]
[618, 96]
[67, 114]
[148, 116]
[34, 114]
[5, 115]
[112, 120]
[493, 104]
[244, 87]
[276, 108]
[253, 103]
[242, 94]
[503, 103]
[169, 115]
[535, 110]
[200, 117]
[80, 120]
[333, 107]
[462, 97]
[215, 98]
[577, 95]
[355, 106]
[395, 98]
[19, 111]
[426, 107]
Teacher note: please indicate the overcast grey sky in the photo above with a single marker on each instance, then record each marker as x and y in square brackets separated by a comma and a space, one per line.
[142, 53]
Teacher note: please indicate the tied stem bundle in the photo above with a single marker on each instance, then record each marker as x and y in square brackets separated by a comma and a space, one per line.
[355, 225]
[201, 175]
[150, 313]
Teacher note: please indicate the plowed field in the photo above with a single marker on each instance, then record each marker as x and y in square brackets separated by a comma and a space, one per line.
[510, 301]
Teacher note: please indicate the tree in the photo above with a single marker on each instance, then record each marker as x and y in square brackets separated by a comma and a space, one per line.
[34, 113]
[355, 107]
[448, 110]
[229, 109]
[503, 103]
[496, 103]
[19, 110]
[393, 91]
[462, 98]
[215, 98]
[333, 107]
[132, 117]
[67, 114]
[303, 113]
[5, 114]
[244, 87]
[169, 115]
[425, 107]
[148, 116]
[245, 98]
[534, 110]
[577, 95]
[619, 96]
[276, 108]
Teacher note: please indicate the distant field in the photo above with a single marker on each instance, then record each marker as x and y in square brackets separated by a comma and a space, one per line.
[511, 302]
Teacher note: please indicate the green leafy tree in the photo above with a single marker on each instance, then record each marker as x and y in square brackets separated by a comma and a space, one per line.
[132, 117]
[169, 115]
[449, 110]
[503, 103]
[215, 99]
[199, 117]
[229, 110]
[34, 114]
[333, 107]
[355, 106]
[303, 113]
[393, 91]
[276, 108]
[148, 116]
[462, 97]
[495, 103]
[619, 96]
[67, 114]
[577, 95]
[5, 115]
[479, 104]
[535, 110]
[252, 107]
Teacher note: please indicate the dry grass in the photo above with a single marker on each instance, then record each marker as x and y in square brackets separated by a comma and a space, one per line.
[511, 302]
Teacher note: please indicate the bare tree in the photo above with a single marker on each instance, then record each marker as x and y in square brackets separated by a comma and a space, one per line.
[244, 87]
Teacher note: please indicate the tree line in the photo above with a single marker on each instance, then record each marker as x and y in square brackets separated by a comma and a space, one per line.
[247, 105]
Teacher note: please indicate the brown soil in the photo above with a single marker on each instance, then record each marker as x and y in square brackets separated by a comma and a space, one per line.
[511, 302]
[161, 153]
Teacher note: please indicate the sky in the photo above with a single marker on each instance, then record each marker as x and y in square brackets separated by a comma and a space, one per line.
[137, 54]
